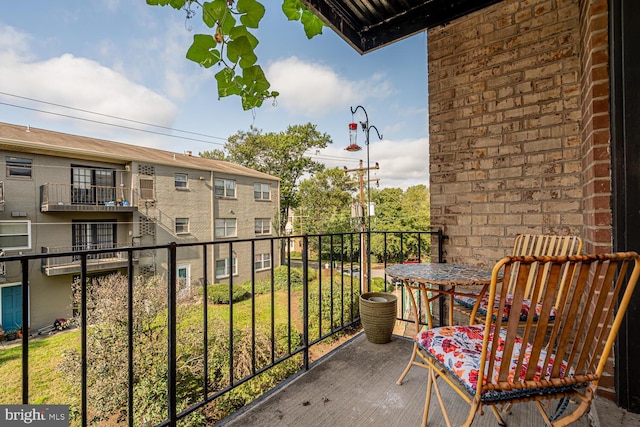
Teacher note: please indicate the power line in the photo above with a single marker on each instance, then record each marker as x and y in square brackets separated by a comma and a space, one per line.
[111, 124]
[320, 157]
[109, 116]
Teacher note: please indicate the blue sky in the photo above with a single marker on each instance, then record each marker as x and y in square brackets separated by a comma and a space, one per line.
[126, 59]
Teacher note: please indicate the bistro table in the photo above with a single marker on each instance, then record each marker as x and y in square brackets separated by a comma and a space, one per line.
[440, 279]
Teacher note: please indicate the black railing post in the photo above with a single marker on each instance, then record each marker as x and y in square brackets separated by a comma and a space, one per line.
[172, 339]
[130, 300]
[205, 325]
[25, 331]
[320, 285]
[305, 299]
[253, 307]
[83, 339]
[231, 270]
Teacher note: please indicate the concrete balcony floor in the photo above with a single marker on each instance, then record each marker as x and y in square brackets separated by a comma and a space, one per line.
[355, 385]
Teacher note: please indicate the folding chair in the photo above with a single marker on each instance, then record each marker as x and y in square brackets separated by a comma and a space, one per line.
[558, 351]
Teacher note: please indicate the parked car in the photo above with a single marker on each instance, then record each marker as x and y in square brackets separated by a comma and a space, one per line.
[412, 261]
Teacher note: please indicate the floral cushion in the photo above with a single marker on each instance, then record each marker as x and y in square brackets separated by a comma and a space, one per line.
[484, 304]
[458, 349]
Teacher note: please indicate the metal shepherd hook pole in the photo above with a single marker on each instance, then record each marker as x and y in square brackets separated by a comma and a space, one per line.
[366, 128]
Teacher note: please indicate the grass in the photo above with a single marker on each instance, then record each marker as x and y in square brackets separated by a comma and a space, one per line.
[46, 384]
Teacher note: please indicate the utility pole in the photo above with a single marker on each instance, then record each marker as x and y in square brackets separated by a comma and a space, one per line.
[361, 170]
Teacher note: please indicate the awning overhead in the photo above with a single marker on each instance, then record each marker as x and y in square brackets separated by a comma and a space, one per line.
[369, 24]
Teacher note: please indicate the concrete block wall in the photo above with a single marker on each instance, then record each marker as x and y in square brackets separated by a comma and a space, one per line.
[505, 112]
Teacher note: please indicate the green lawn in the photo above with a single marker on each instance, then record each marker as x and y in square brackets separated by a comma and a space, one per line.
[46, 384]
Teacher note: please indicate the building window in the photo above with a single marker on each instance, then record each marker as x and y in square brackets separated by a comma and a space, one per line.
[15, 235]
[263, 226]
[146, 189]
[92, 186]
[181, 180]
[101, 234]
[262, 191]
[226, 227]
[225, 188]
[222, 267]
[182, 225]
[262, 261]
[18, 166]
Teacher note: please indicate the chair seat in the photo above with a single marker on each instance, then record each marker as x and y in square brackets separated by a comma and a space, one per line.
[458, 350]
[470, 301]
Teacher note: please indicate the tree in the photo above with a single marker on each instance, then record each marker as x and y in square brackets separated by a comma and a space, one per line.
[325, 202]
[280, 154]
[401, 210]
[231, 45]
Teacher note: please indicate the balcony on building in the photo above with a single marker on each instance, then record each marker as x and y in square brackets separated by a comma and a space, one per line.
[68, 263]
[83, 198]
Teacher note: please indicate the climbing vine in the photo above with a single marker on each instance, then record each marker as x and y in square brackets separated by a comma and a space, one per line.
[231, 44]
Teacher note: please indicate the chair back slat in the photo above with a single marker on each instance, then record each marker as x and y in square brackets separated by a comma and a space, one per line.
[567, 338]
[544, 245]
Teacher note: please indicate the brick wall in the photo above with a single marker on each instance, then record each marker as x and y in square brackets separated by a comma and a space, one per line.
[519, 128]
[505, 110]
[596, 160]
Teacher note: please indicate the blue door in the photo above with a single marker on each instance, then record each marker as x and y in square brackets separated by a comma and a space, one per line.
[11, 297]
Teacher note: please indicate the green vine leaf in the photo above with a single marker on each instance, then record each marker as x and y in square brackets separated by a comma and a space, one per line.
[240, 74]
[214, 12]
[203, 51]
[240, 51]
[226, 85]
[176, 4]
[241, 31]
[292, 10]
[312, 24]
[252, 12]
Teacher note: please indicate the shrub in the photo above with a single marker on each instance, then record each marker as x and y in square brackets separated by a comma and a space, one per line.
[218, 293]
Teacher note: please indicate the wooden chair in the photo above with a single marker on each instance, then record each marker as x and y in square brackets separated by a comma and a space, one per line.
[525, 244]
[559, 350]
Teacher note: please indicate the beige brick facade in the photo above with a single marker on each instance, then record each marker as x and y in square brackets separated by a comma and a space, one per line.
[518, 128]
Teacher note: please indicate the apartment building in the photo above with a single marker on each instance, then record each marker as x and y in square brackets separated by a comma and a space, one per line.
[61, 193]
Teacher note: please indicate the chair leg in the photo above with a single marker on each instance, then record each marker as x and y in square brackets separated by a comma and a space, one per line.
[496, 412]
[440, 400]
[472, 412]
[583, 407]
[409, 365]
[427, 400]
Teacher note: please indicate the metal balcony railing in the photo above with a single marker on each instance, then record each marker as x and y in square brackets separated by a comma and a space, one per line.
[327, 306]
[79, 197]
[105, 256]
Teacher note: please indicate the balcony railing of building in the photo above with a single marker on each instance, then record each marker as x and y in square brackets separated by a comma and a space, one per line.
[80, 197]
[326, 300]
[108, 256]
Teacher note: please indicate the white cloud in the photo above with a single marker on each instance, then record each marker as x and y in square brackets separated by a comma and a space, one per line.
[77, 82]
[313, 88]
[403, 163]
